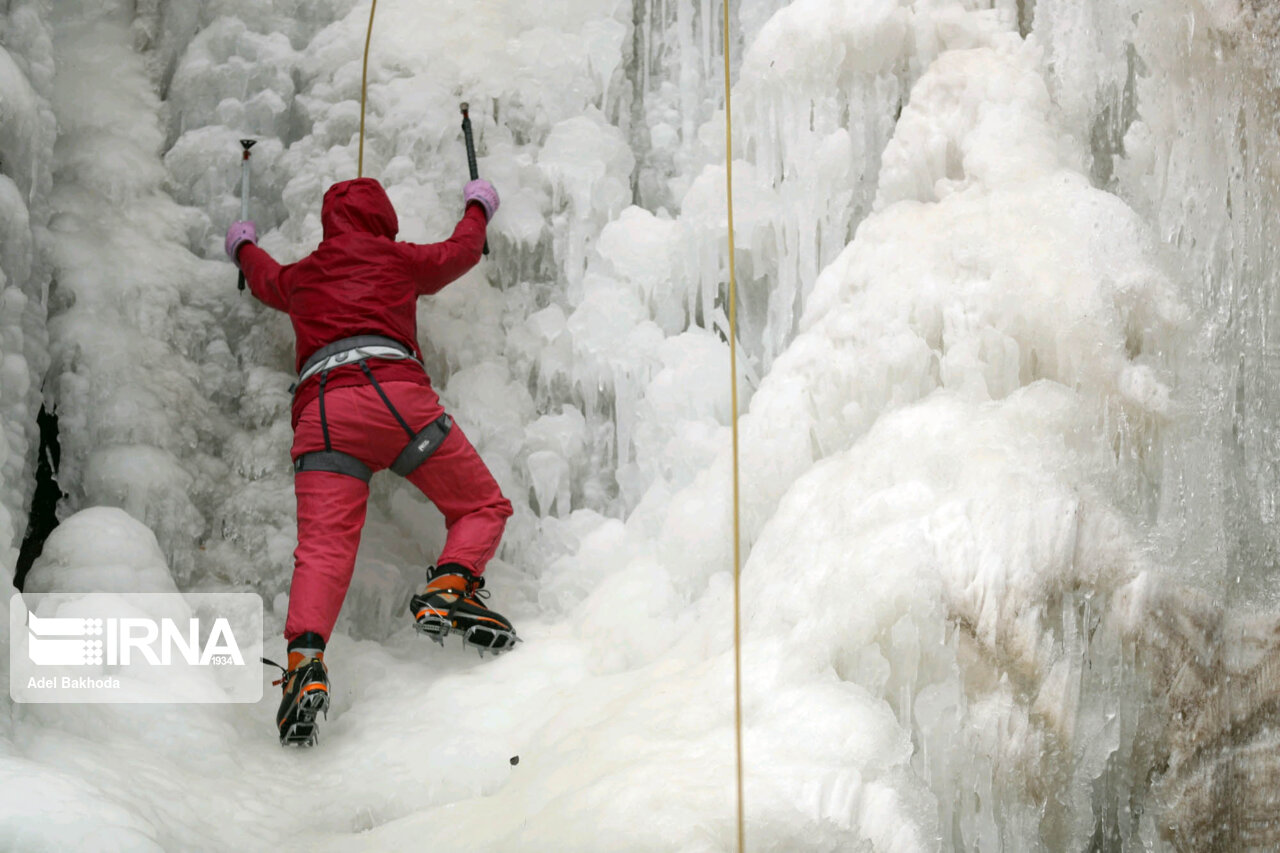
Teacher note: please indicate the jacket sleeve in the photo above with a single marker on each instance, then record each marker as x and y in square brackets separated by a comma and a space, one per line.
[263, 274]
[433, 265]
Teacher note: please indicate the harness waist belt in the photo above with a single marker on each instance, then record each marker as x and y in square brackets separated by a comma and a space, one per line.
[352, 351]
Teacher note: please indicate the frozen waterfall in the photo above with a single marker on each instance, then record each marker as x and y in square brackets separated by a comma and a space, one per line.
[1010, 380]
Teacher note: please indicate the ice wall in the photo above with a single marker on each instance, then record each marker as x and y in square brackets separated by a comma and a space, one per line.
[26, 137]
[957, 576]
[140, 355]
[1180, 111]
[1145, 92]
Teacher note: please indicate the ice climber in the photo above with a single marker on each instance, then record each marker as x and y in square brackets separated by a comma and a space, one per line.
[363, 402]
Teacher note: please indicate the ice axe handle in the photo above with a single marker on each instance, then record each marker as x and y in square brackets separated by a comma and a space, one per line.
[245, 144]
[471, 155]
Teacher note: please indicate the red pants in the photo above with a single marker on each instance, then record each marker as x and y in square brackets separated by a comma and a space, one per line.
[331, 507]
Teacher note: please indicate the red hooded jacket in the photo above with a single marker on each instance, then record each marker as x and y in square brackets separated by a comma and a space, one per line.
[360, 281]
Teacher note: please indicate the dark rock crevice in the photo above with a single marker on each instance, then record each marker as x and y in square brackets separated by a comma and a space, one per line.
[44, 503]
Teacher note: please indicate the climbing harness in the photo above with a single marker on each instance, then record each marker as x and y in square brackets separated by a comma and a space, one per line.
[357, 351]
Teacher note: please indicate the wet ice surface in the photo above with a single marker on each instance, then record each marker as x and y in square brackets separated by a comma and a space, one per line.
[993, 300]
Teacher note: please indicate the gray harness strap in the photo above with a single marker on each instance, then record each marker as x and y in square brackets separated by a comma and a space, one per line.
[422, 445]
[330, 460]
[334, 462]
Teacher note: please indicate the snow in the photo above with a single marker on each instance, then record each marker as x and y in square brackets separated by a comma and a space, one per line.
[1006, 409]
[102, 549]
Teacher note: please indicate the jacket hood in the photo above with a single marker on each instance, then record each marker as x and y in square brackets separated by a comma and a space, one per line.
[358, 205]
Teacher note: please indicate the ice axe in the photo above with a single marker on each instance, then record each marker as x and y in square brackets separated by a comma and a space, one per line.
[246, 144]
[471, 153]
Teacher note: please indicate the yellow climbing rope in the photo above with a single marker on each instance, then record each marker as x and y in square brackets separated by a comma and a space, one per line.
[733, 417]
[364, 83]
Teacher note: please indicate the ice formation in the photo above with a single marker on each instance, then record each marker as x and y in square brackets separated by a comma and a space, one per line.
[1008, 404]
[26, 138]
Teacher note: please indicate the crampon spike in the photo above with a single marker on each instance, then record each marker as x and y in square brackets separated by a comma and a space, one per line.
[301, 734]
[495, 641]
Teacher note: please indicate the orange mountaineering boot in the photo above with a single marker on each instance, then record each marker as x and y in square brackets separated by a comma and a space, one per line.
[306, 692]
[452, 603]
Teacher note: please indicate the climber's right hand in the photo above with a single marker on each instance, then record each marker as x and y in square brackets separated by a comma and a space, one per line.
[482, 193]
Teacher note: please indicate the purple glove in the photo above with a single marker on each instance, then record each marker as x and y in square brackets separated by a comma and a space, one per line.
[482, 193]
[237, 235]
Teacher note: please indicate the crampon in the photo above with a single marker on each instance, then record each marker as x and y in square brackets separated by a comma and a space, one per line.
[306, 696]
[451, 604]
